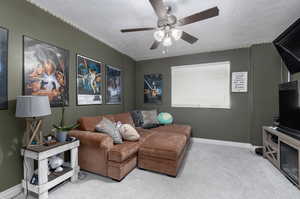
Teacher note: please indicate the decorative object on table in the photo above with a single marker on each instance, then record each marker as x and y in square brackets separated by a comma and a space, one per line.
[89, 81]
[50, 143]
[113, 85]
[55, 163]
[153, 88]
[71, 139]
[128, 132]
[150, 119]
[62, 130]
[165, 118]
[45, 70]
[137, 118]
[49, 140]
[33, 109]
[108, 127]
[3, 67]
[49, 137]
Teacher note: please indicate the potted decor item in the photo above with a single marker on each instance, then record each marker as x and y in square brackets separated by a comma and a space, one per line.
[62, 129]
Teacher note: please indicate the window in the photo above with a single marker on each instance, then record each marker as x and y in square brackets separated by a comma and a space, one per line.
[201, 85]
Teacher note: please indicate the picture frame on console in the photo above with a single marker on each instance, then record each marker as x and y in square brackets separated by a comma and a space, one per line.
[153, 88]
[3, 68]
[45, 71]
[89, 81]
[113, 85]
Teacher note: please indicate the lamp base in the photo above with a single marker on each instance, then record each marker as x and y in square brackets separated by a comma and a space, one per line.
[33, 132]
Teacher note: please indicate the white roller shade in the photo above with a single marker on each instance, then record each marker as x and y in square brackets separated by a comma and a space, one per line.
[201, 85]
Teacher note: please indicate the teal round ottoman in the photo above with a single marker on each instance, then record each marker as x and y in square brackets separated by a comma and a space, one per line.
[165, 118]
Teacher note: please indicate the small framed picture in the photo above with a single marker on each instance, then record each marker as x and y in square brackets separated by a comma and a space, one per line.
[153, 89]
[113, 85]
[89, 81]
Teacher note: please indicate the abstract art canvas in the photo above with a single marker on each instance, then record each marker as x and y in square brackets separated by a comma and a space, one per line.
[89, 81]
[153, 88]
[113, 85]
[3, 67]
[46, 71]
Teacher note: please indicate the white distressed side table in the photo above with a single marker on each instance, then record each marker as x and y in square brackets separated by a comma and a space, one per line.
[41, 155]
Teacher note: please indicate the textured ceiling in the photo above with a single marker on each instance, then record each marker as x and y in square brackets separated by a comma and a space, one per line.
[241, 23]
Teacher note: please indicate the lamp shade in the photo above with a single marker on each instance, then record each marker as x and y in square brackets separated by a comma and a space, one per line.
[32, 106]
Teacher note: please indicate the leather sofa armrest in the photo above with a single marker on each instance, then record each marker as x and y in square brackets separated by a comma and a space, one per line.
[100, 140]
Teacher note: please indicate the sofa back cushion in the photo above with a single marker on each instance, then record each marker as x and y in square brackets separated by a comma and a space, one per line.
[124, 118]
[89, 123]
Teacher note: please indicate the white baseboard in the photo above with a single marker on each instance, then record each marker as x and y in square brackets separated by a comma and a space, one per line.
[11, 192]
[224, 143]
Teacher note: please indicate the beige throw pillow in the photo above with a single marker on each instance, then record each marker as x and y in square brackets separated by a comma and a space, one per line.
[129, 133]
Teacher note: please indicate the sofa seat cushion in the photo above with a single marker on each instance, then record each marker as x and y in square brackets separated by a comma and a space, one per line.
[144, 134]
[121, 152]
[89, 123]
[166, 145]
[176, 128]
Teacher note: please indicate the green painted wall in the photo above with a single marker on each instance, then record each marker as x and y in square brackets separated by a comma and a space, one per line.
[266, 76]
[22, 18]
[296, 76]
[249, 111]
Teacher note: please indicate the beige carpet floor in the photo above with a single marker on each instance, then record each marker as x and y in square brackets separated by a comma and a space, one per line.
[209, 172]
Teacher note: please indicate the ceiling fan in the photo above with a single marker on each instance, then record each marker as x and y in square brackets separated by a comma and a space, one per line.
[167, 24]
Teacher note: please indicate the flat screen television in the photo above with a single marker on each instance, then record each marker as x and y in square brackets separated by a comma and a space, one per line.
[288, 46]
[289, 108]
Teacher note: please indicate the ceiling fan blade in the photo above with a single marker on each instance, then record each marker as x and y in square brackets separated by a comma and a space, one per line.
[159, 8]
[188, 38]
[136, 29]
[212, 12]
[155, 45]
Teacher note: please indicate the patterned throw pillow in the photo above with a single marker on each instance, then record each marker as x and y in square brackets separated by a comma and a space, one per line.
[137, 118]
[149, 118]
[129, 133]
[108, 127]
[165, 118]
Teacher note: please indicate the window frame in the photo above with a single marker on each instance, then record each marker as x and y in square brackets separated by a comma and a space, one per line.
[225, 106]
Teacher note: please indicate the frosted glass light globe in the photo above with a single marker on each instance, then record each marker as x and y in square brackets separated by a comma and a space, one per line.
[159, 35]
[176, 33]
[167, 41]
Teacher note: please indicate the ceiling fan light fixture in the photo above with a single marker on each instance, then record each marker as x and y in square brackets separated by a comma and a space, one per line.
[176, 33]
[159, 35]
[167, 41]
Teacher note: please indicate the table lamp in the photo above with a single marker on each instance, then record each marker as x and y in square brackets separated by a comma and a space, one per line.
[33, 109]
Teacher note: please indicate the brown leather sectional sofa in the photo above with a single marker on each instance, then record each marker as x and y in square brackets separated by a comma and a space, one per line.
[159, 149]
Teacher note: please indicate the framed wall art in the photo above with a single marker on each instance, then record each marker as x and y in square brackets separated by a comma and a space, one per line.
[89, 81]
[153, 88]
[45, 71]
[113, 85]
[3, 67]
